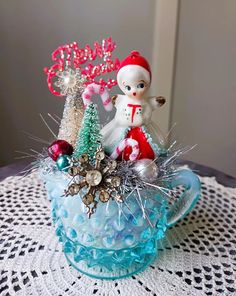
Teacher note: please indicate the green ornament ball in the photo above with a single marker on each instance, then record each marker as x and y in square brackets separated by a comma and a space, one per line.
[63, 162]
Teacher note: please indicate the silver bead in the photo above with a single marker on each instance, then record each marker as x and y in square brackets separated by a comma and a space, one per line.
[147, 170]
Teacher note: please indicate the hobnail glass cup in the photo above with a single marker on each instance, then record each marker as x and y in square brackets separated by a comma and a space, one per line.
[120, 239]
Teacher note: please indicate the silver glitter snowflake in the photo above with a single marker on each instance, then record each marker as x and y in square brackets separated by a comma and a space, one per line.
[100, 180]
[70, 81]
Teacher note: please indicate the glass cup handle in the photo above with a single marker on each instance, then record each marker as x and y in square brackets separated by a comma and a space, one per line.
[185, 203]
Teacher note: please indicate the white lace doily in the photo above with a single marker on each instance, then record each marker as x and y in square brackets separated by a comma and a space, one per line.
[197, 257]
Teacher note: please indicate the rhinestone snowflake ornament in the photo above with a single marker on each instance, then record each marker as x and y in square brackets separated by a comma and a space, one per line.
[70, 81]
[98, 179]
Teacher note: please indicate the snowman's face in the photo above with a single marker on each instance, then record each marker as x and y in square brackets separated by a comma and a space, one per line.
[134, 81]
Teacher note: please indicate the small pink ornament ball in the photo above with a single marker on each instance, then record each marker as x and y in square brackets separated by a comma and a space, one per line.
[59, 147]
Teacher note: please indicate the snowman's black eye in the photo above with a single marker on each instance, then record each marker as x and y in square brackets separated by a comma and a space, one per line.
[128, 87]
[141, 85]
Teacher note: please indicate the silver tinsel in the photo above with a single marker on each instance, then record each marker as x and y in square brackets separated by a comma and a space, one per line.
[123, 176]
[129, 176]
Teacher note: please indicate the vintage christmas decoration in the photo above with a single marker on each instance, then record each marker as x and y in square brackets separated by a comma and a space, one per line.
[112, 189]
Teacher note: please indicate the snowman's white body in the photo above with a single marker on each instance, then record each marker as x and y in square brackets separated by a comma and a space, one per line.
[133, 109]
[115, 131]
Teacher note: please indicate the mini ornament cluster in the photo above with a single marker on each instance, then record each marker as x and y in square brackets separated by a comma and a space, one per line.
[59, 148]
[128, 153]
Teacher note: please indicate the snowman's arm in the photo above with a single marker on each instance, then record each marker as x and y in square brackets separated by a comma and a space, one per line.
[116, 99]
[113, 99]
[156, 102]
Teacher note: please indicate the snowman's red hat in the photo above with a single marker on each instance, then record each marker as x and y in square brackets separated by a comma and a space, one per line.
[134, 58]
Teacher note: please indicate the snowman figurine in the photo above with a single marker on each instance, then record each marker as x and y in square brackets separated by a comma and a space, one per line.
[133, 112]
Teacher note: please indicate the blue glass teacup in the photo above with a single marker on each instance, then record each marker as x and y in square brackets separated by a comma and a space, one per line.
[119, 239]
